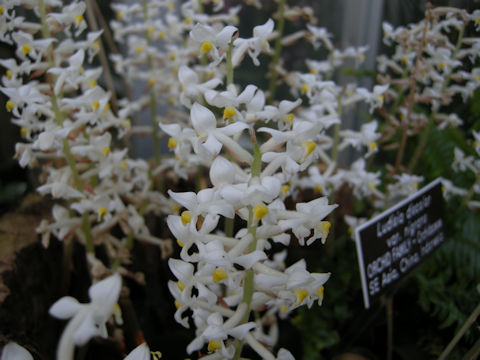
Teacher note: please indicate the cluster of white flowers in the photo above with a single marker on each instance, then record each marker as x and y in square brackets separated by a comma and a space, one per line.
[262, 155]
[67, 124]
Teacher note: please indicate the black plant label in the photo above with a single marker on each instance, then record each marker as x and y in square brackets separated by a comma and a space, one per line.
[393, 243]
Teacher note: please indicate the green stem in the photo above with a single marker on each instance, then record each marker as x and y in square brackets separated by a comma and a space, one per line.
[257, 161]
[278, 50]
[336, 134]
[229, 64]
[71, 164]
[248, 280]
[153, 104]
[470, 320]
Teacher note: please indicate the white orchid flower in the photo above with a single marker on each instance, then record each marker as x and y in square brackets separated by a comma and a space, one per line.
[217, 331]
[211, 40]
[367, 136]
[193, 90]
[86, 320]
[211, 138]
[308, 216]
[254, 45]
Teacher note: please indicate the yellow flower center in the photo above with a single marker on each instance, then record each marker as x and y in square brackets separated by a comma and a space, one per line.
[9, 74]
[152, 82]
[161, 35]
[186, 216]
[372, 146]
[2, 9]
[177, 303]
[150, 30]
[188, 20]
[214, 345]
[320, 291]
[259, 211]
[285, 188]
[313, 71]
[106, 151]
[229, 112]
[442, 65]
[318, 188]
[172, 143]
[324, 228]
[139, 49]
[95, 105]
[219, 274]
[309, 146]
[10, 105]
[101, 213]
[288, 118]
[156, 355]
[415, 186]
[300, 294]
[173, 56]
[180, 243]
[206, 47]
[304, 88]
[23, 131]
[78, 19]
[120, 15]
[180, 285]
[26, 49]
[124, 165]
[372, 186]
[92, 83]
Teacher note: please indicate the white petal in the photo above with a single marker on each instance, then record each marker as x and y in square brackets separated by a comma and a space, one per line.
[264, 30]
[284, 354]
[224, 37]
[181, 269]
[233, 129]
[187, 76]
[222, 172]
[186, 199]
[212, 145]
[13, 351]
[202, 119]
[65, 308]
[87, 330]
[240, 331]
[141, 352]
[106, 291]
[248, 260]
